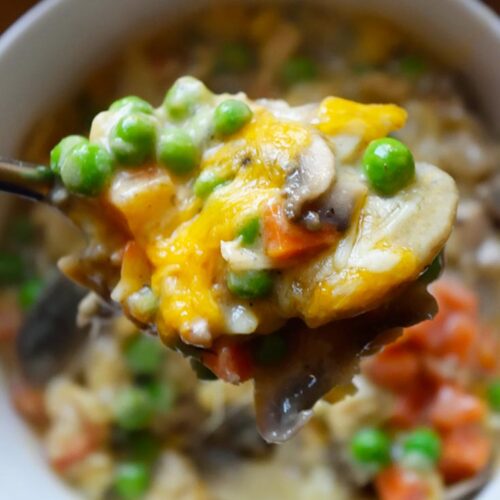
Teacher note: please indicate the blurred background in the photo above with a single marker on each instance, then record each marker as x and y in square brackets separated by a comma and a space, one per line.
[10, 11]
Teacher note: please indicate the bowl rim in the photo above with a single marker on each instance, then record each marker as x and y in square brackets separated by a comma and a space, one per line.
[480, 10]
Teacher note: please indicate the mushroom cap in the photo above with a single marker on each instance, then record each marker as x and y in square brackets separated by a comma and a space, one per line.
[388, 244]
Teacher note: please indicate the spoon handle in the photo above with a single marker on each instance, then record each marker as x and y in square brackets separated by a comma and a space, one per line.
[25, 179]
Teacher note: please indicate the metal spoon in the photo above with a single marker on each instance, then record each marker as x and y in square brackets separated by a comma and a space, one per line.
[38, 183]
[25, 179]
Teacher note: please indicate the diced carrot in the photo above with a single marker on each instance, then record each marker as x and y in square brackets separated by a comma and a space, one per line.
[78, 448]
[487, 351]
[285, 241]
[437, 372]
[397, 483]
[455, 296]
[427, 335]
[453, 407]
[461, 331]
[455, 328]
[230, 361]
[410, 406]
[466, 451]
[396, 367]
[10, 317]
[28, 401]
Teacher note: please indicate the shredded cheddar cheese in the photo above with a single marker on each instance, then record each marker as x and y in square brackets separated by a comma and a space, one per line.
[338, 116]
[337, 263]
[349, 289]
[254, 159]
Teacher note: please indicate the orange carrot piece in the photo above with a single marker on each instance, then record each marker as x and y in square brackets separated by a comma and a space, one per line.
[466, 451]
[455, 296]
[487, 352]
[230, 361]
[410, 406]
[78, 449]
[28, 401]
[396, 483]
[80, 446]
[461, 331]
[395, 368]
[285, 241]
[453, 407]
[10, 317]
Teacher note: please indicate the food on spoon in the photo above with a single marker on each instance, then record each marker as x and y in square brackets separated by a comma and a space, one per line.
[92, 458]
[214, 220]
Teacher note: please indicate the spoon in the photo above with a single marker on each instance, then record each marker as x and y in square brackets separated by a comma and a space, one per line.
[38, 183]
[159, 237]
[25, 179]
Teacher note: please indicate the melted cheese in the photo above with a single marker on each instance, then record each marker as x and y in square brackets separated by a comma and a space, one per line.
[182, 235]
[350, 289]
[189, 269]
[338, 116]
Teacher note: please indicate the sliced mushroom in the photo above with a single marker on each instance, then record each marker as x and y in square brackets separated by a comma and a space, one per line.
[337, 206]
[50, 337]
[313, 175]
[286, 391]
[388, 245]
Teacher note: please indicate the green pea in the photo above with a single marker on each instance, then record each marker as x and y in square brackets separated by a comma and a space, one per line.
[271, 349]
[132, 104]
[250, 284]
[422, 443]
[371, 447]
[434, 270]
[249, 231]
[133, 408]
[184, 96]
[178, 152]
[162, 396]
[412, 66]
[206, 183]
[202, 372]
[131, 481]
[29, 292]
[493, 395]
[144, 355]
[298, 69]
[60, 152]
[230, 116]
[388, 165]
[11, 268]
[133, 139]
[234, 58]
[87, 169]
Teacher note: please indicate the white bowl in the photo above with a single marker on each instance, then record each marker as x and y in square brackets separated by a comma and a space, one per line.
[45, 54]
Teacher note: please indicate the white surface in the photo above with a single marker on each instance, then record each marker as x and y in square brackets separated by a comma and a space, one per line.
[44, 55]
